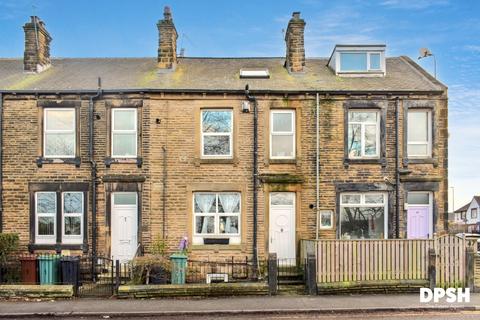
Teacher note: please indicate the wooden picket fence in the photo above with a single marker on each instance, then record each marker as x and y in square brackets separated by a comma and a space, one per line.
[393, 259]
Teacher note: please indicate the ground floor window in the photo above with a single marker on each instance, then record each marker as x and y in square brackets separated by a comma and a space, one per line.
[216, 217]
[363, 215]
[58, 217]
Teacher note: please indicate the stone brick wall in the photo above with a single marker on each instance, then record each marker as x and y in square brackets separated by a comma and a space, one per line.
[170, 121]
[294, 38]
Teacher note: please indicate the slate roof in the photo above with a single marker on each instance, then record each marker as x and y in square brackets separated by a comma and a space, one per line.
[207, 74]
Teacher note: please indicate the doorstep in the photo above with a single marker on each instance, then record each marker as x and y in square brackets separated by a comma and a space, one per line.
[192, 290]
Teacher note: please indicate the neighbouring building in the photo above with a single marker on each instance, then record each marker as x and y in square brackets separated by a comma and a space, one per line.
[111, 155]
[468, 215]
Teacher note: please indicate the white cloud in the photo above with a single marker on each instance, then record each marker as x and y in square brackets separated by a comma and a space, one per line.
[471, 47]
[413, 4]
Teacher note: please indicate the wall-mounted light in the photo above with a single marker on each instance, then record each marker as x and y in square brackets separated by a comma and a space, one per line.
[245, 106]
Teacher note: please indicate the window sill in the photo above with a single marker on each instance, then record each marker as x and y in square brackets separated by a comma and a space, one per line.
[109, 161]
[282, 161]
[42, 160]
[216, 247]
[430, 160]
[381, 161]
[57, 247]
[216, 161]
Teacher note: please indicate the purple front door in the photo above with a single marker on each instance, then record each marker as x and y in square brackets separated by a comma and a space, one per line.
[418, 226]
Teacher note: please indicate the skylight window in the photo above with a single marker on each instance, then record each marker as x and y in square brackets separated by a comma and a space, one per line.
[261, 73]
[358, 60]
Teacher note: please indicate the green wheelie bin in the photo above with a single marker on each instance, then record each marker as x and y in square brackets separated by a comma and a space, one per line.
[48, 267]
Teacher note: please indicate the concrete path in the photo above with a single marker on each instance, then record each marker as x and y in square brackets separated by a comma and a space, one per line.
[234, 305]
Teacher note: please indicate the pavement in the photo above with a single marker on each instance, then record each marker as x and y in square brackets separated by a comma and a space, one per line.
[346, 304]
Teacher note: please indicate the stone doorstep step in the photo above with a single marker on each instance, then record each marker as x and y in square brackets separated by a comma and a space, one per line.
[291, 289]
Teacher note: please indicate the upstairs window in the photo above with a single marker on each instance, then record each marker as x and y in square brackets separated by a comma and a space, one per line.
[217, 128]
[124, 133]
[473, 213]
[359, 61]
[59, 133]
[419, 134]
[282, 134]
[363, 134]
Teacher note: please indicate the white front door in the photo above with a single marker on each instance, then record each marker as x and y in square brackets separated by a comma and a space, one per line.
[282, 225]
[124, 225]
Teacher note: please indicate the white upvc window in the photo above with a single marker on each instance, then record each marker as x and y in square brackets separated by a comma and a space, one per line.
[72, 217]
[45, 217]
[363, 215]
[216, 129]
[360, 61]
[216, 215]
[419, 133]
[282, 134]
[363, 134]
[59, 133]
[124, 133]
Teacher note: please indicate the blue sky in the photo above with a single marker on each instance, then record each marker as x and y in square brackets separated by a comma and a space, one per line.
[121, 28]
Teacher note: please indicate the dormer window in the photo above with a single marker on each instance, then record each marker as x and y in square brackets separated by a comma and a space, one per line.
[354, 60]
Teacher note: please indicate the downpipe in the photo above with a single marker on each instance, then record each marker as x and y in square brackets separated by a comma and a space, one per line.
[93, 173]
[317, 165]
[397, 172]
[253, 99]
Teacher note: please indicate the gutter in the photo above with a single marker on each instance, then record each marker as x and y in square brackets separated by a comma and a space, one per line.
[253, 99]
[93, 164]
[231, 91]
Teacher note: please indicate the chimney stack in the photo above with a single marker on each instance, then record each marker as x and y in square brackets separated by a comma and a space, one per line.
[167, 43]
[294, 39]
[37, 46]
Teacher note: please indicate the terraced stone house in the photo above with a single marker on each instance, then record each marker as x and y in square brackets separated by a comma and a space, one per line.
[244, 156]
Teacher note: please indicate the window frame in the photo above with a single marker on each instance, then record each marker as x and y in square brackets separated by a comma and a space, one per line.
[363, 204]
[362, 134]
[45, 239]
[368, 62]
[471, 213]
[429, 142]
[45, 131]
[216, 234]
[73, 239]
[229, 134]
[113, 131]
[291, 133]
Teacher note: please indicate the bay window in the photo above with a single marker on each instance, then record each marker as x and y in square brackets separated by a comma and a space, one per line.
[216, 215]
[282, 134]
[124, 133]
[419, 133]
[216, 131]
[363, 215]
[59, 133]
[363, 134]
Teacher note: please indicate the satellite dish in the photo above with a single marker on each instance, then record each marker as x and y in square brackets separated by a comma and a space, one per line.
[424, 52]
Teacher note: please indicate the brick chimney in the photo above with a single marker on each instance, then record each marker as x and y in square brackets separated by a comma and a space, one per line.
[167, 42]
[36, 57]
[294, 39]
